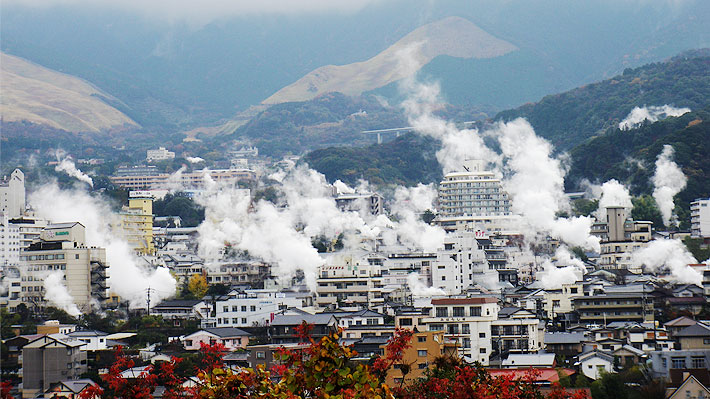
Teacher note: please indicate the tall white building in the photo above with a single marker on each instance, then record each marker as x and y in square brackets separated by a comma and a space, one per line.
[461, 263]
[700, 218]
[474, 199]
[349, 280]
[9, 242]
[12, 194]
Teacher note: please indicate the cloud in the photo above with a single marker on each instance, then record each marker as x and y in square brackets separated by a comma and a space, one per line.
[652, 113]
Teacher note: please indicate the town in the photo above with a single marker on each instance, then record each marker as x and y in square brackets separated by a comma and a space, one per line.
[456, 264]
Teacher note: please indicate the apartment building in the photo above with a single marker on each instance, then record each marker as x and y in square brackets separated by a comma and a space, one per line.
[617, 306]
[62, 249]
[136, 222]
[700, 218]
[186, 180]
[620, 236]
[516, 331]
[12, 194]
[462, 262]
[250, 308]
[425, 348]
[161, 154]
[50, 359]
[345, 280]
[466, 322]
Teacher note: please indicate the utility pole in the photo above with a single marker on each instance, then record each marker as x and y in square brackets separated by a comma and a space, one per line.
[148, 299]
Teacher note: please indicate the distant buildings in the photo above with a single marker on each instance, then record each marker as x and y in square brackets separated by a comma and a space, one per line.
[700, 218]
[136, 222]
[152, 180]
[372, 203]
[620, 236]
[161, 154]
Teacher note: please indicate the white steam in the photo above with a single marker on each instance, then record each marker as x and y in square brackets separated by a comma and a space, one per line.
[66, 165]
[408, 206]
[194, 159]
[128, 276]
[57, 294]
[672, 255]
[668, 181]
[419, 289]
[565, 269]
[652, 114]
[611, 193]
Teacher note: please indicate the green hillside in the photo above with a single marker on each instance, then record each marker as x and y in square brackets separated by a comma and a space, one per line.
[569, 118]
[407, 160]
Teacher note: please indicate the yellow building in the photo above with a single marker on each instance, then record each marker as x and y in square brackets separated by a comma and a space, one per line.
[137, 222]
[426, 347]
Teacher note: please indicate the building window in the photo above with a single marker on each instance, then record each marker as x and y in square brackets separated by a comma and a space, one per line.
[465, 329]
[405, 322]
[482, 335]
[453, 328]
[244, 320]
[458, 311]
[678, 363]
[482, 350]
[421, 339]
[697, 362]
[260, 355]
[474, 311]
[422, 366]
[422, 353]
[442, 312]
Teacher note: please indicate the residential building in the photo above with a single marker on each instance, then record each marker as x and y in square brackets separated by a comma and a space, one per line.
[676, 325]
[627, 356]
[462, 263]
[232, 338]
[526, 360]
[595, 363]
[347, 280]
[9, 242]
[161, 154]
[425, 347]
[663, 362]
[250, 273]
[694, 337]
[619, 238]
[283, 327]
[266, 354]
[700, 218]
[68, 389]
[618, 306]
[62, 249]
[12, 194]
[564, 343]
[371, 203]
[50, 359]
[93, 340]
[194, 180]
[474, 199]
[54, 327]
[690, 388]
[136, 222]
[515, 331]
[176, 309]
[466, 322]
[250, 308]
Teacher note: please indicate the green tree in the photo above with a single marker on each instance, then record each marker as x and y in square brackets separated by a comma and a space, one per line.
[645, 208]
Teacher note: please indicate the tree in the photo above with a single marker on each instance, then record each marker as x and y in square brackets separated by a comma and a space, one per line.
[197, 285]
[645, 208]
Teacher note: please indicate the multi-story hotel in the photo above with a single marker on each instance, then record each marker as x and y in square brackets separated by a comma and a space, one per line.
[474, 199]
[156, 181]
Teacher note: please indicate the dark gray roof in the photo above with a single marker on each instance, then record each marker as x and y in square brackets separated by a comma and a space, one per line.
[564, 338]
[697, 330]
[177, 303]
[86, 333]
[227, 332]
[294, 320]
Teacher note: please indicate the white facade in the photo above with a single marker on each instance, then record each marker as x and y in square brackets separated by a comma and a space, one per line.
[12, 194]
[160, 154]
[9, 242]
[461, 263]
[466, 321]
[349, 280]
[594, 364]
[700, 218]
[474, 199]
[250, 308]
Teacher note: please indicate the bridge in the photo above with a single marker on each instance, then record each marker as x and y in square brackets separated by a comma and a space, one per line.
[399, 130]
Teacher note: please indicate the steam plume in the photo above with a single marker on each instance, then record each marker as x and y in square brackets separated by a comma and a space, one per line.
[128, 277]
[56, 293]
[653, 113]
[570, 270]
[668, 181]
[670, 254]
[66, 165]
[420, 289]
[611, 193]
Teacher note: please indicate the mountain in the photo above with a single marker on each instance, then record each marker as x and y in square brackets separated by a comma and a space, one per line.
[38, 95]
[180, 74]
[452, 36]
[569, 118]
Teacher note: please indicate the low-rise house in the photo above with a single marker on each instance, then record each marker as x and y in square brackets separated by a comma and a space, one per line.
[663, 363]
[94, 340]
[525, 360]
[266, 354]
[54, 327]
[674, 326]
[179, 309]
[627, 356]
[232, 338]
[593, 364]
[565, 344]
[283, 327]
[694, 337]
[691, 387]
[69, 389]
[49, 359]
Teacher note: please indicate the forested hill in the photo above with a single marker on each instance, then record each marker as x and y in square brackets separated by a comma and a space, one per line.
[630, 156]
[569, 118]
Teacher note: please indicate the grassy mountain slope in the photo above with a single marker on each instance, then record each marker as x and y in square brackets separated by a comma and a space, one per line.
[569, 118]
[42, 96]
[452, 36]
